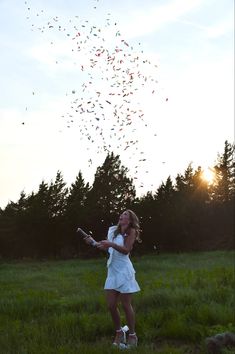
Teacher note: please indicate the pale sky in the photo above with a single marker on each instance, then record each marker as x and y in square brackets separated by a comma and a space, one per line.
[191, 41]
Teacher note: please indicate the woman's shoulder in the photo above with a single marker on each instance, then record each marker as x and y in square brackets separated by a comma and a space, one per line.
[113, 227]
[111, 231]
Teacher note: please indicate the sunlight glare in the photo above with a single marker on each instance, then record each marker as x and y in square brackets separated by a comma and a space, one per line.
[208, 175]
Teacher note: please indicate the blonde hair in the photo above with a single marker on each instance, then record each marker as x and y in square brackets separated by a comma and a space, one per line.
[134, 224]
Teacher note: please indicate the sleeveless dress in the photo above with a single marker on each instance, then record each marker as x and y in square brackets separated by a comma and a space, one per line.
[121, 274]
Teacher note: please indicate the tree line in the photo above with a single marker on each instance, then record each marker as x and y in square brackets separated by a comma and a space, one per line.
[187, 214]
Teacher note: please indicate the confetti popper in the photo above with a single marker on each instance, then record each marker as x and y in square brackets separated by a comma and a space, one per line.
[84, 235]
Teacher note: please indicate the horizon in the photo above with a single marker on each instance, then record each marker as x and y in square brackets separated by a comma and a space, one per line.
[208, 176]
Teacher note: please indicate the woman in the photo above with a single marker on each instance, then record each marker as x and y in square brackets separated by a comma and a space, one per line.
[120, 282]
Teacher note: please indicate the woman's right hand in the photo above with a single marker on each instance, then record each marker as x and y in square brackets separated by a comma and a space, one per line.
[102, 247]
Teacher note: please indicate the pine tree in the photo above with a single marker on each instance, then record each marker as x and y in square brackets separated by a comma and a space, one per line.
[192, 186]
[46, 217]
[184, 183]
[112, 190]
[166, 191]
[40, 204]
[76, 202]
[58, 196]
[224, 186]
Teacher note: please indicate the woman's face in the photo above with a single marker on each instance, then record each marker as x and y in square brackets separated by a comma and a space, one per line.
[124, 219]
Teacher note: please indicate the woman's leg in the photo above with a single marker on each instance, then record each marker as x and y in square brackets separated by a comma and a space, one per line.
[112, 302]
[129, 312]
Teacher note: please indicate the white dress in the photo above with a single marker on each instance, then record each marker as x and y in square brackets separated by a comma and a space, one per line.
[121, 274]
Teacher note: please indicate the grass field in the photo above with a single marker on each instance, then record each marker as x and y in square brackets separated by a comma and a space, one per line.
[59, 306]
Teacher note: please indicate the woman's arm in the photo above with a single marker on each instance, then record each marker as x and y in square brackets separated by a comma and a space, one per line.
[91, 241]
[87, 238]
[128, 244]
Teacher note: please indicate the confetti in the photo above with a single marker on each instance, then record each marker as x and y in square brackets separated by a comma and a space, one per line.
[117, 71]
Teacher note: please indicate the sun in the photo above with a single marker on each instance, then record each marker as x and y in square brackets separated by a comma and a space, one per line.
[208, 175]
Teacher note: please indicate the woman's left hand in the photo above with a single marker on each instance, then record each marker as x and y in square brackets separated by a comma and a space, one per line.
[104, 244]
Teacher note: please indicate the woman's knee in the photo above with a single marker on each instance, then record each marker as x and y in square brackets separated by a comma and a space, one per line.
[126, 301]
[112, 299]
[112, 305]
[126, 305]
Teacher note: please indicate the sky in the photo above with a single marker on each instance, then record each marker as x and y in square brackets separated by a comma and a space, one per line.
[190, 44]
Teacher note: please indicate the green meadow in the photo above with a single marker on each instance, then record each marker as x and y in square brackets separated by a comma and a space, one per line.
[59, 306]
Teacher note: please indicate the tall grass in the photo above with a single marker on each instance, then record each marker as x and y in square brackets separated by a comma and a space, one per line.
[59, 306]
